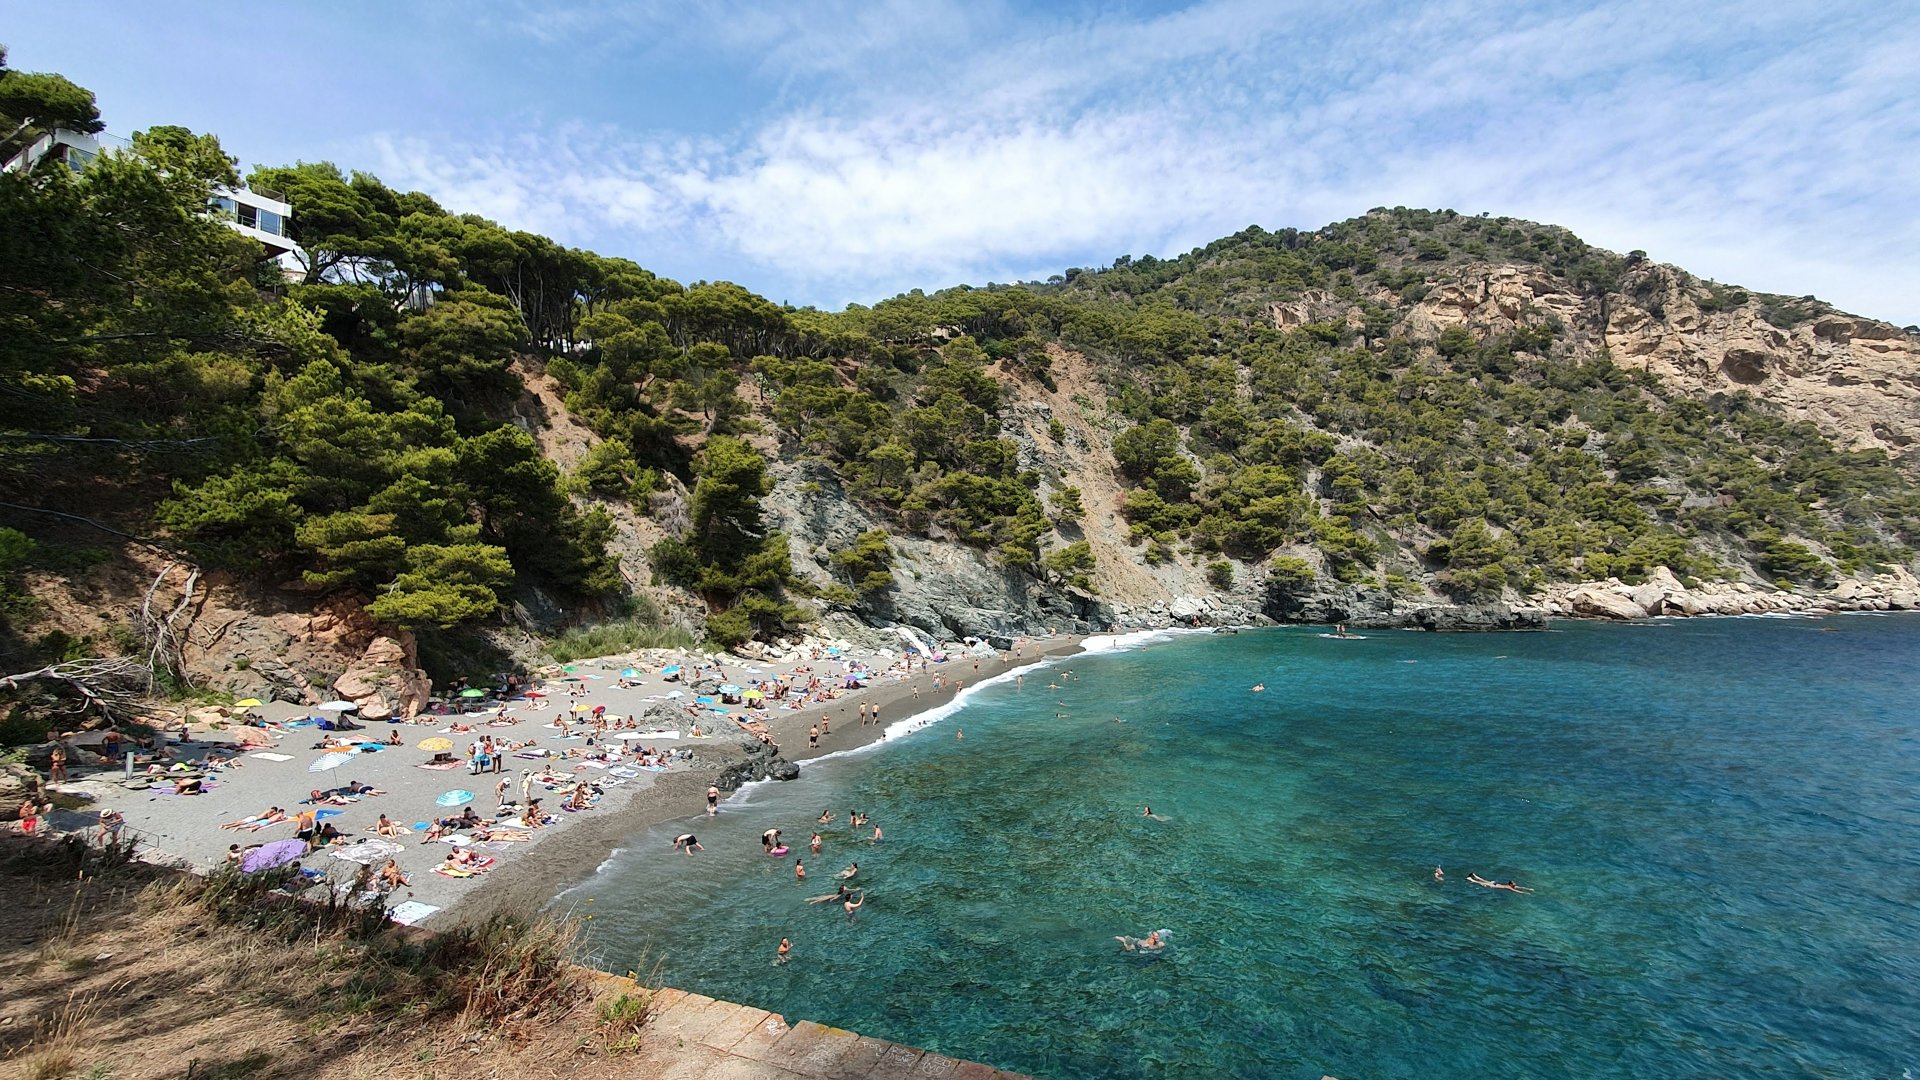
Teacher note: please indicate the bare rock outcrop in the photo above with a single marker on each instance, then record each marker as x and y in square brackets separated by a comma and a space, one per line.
[386, 681]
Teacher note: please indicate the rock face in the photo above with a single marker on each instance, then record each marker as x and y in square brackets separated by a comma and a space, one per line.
[1856, 379]
[386, 680]
[1358, 606]
[947, 590]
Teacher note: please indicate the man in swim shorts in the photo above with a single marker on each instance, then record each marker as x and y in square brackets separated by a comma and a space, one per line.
[689, 842]
[713, 800]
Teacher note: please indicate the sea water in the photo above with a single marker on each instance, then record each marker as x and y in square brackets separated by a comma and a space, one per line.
[1719, 820]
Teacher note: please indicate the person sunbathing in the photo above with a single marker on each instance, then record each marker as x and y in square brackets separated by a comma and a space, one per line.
[391, 877]
[386, 827]
[441, 827]
[271, 815]
[394, 739]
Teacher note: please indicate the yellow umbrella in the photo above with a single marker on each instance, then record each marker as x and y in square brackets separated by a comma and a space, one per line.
[582, 707]
[436, 744]
[246, 703]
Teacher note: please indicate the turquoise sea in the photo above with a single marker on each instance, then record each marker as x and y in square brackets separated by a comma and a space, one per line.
[1720, 820]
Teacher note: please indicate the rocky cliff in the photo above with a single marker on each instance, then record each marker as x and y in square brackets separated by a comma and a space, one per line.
[1857, 379]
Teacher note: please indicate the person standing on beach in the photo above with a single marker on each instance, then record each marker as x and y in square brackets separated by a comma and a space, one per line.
[863, 712]
[826, 725]
[876, 714]
[813, 737]
[713, 800]
[500, 790]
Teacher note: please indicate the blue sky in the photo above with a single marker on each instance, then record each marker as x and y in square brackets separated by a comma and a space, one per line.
[834, 152]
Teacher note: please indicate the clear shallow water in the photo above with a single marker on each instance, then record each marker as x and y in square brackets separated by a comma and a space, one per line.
[1721, 818]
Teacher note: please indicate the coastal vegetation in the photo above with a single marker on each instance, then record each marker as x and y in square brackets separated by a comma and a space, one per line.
[358, 426]
[326, 987]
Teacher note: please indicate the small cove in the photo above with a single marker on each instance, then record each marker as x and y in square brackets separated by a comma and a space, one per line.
[1718, 817]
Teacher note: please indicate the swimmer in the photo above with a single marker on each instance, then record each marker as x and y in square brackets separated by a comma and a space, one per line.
[849, 873]
[769, 838]
[1509, 886]
[852, 906]
[876, 834]
[825, 817]
[1439, 874]
[813, 845]
[1153, 942]
[960, 735]
[689, 842]
[799, 871]
[780, 954]
[1259, 687]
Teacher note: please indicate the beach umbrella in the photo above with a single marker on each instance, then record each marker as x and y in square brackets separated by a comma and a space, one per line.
[674, 670]
[676, 693]
[473, 692]
[629, 673]
[755, 695]
[536, 693]
[247, 703]
[581, 707]
[330, 762]
[268, 856]
[454, 798]
[729, 688]
[338, 706]
[436, 744]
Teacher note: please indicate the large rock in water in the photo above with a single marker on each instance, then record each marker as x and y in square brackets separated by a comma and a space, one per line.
[386, 680]
[1476, 617]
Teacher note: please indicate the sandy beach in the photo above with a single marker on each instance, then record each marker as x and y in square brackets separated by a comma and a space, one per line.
[526, 873]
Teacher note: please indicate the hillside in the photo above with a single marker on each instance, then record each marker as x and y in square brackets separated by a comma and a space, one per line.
[439, 443]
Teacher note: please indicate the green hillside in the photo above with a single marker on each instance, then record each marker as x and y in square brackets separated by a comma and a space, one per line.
[349, 430]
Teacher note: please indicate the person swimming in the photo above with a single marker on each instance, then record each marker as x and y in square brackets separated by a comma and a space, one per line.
[1153, 942]
[1509, 886]
[1259, 687]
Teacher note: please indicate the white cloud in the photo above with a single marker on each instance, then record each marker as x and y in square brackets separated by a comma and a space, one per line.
[900, 150]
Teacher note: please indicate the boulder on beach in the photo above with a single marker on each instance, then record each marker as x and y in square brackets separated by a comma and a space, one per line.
[1604, 604]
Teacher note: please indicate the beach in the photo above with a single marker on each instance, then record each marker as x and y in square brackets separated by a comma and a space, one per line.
[527, 873]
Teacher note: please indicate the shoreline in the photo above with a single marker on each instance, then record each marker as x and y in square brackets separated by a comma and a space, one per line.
[536, 877]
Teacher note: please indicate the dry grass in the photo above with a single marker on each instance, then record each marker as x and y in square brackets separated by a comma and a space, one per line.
[130, 971]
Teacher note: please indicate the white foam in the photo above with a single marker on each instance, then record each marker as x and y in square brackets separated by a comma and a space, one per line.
[1105, 643]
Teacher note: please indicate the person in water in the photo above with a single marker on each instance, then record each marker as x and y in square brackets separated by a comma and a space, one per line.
[813, 845]
[799, 871]
[768, 839]
[713, 800]
[689, 842]
[852, 906]
[849, 873]
[780, 954]
[1509, 886]
[1259, 687]
[1153, 942]
[1439, 874]
[876, 834]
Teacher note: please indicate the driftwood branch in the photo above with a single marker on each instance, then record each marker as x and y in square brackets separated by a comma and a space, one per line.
[163, 642]
[115, 686]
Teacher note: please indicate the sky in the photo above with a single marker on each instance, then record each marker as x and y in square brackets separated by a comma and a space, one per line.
[827, 153]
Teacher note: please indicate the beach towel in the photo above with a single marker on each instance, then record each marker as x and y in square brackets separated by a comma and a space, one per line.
[264, 756]
[439, 766]
[411, 912]
[367, 851]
